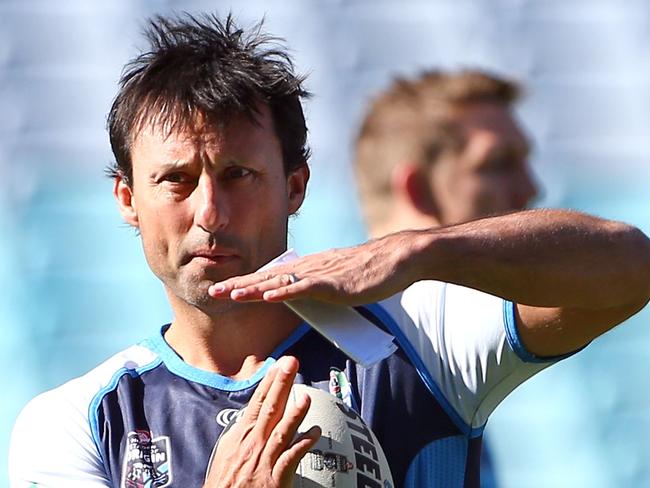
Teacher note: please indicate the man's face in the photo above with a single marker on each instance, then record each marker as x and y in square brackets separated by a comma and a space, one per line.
[490, 174]
[210, 203]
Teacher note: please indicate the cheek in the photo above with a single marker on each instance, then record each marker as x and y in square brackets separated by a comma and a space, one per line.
[268, 203]
[266, 219]
[161, 229]
[154, 244]
[491, 193]
[270, 218]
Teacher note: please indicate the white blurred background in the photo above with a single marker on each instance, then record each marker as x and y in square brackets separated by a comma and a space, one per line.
[74, 286]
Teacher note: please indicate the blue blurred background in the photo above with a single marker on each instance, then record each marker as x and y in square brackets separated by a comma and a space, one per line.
[74, 284]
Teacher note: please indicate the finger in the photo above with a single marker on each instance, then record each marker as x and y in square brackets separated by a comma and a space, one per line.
[289, 291]
[308, 287]
[287, 463]
[252, 410]
[246, 437]
[286, 429]
[222, 289]
[275, 402]
[258, 290]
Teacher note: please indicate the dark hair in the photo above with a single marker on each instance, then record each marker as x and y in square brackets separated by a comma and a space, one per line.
[212, 69]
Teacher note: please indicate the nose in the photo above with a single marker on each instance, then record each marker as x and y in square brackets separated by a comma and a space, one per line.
[212, 209]
[527, 188]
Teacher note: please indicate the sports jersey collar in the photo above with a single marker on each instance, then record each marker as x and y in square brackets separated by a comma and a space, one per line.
[176, 365]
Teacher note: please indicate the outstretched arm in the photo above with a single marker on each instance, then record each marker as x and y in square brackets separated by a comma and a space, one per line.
[573, 276]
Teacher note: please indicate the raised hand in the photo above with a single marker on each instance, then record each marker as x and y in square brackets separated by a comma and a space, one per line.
[260, 450]
[349, 276]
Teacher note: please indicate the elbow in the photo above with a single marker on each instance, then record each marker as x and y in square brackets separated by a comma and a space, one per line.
[637, 258]
[627, 259]
[642, 246]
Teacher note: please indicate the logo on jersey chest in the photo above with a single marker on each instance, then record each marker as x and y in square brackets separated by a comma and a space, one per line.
[339, 386]
[147, 461]
[227, 415]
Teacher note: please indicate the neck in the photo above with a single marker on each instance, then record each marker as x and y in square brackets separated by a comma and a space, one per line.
[401, 220]
[233, 339]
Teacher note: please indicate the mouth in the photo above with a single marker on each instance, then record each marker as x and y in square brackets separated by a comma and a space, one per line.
[211, 257]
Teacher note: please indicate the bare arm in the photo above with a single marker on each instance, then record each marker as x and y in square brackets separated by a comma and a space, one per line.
[572, 275]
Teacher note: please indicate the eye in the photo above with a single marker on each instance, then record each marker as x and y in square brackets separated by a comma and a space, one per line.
[177, 177]
[500, 162]
[236, 172]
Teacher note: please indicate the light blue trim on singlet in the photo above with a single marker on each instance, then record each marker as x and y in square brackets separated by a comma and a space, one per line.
[412, 354]
[93, 408]
[176, 365]
[514, 339]
[440, 464]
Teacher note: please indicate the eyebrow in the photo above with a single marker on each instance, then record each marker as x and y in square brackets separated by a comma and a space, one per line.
[159, 166]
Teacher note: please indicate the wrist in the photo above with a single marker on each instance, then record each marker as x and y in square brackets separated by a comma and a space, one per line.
[431, 256]
[414, 251]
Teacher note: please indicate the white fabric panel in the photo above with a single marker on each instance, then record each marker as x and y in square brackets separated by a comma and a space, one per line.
[52, 444]
[460, 336]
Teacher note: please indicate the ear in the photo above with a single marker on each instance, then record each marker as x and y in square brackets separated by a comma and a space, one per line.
[296, 188]
[410, 183]
[125, 201]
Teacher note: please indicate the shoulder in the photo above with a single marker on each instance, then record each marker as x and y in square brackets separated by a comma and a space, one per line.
[101, 379]
[52, 438]
[464, 342]
[419, 301]
[432, 306]
[75, 396]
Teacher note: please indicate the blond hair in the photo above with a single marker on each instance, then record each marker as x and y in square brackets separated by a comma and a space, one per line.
[413, 121]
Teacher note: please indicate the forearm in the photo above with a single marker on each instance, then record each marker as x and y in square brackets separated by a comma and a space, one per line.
[572, 276]
[543, 258]
[554, 258]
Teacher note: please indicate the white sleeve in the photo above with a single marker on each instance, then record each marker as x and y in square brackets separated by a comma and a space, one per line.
[467, 344]
[52, 446]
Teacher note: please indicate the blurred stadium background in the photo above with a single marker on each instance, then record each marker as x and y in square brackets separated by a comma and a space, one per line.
[75, 287]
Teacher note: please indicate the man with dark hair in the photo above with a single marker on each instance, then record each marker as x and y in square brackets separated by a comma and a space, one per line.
[210, 191]
[182, 80]
[442, 148]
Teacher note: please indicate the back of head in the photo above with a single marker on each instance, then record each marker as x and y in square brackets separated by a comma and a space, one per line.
[205, 70]
[413, 121]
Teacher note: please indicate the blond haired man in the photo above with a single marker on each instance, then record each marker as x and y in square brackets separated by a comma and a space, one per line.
[440, 149]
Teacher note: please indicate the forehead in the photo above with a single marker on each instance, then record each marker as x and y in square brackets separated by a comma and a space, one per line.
[237, 133]
[490, 119]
